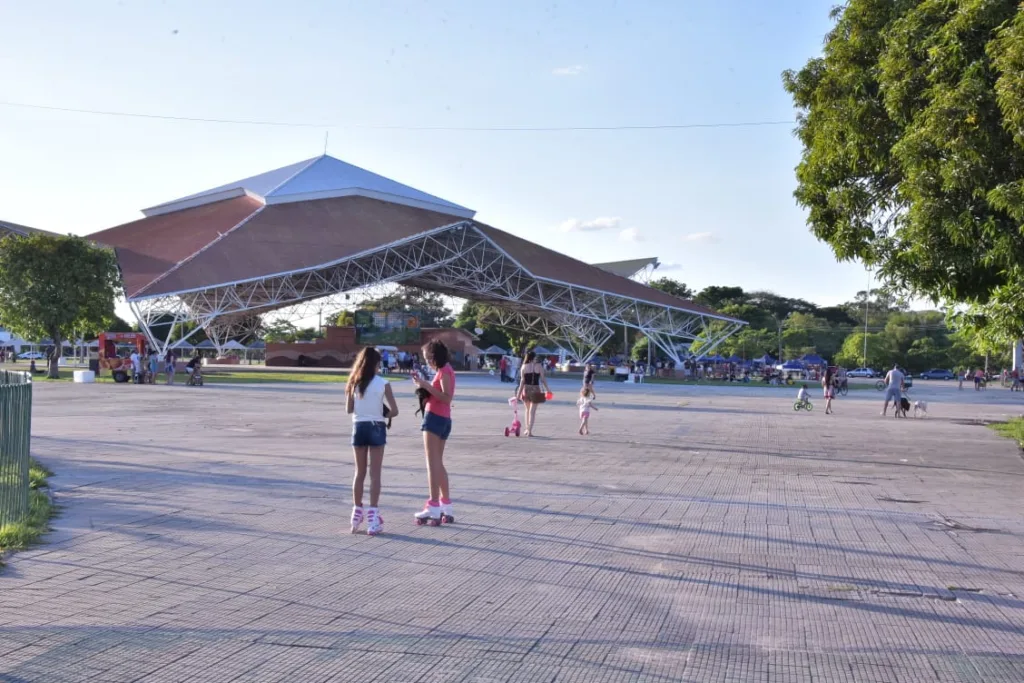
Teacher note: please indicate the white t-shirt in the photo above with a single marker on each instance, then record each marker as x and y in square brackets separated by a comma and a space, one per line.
[136, 362]
[801, 395]
[894, 379]
[370, 406]
[584, 403]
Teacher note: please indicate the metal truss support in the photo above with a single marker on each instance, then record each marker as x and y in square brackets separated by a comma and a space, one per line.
[581, 337]
[457, 260]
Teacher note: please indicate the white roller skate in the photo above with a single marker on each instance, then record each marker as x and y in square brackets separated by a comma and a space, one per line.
[374, 522]
[357, 518]
[447, 511]
[430, 514]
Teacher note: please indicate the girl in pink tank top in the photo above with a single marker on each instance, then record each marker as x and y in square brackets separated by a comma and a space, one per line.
[436, 428]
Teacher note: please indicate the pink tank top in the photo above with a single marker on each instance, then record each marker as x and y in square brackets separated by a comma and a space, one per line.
[440, 408]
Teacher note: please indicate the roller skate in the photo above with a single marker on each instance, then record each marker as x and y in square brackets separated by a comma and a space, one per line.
[357, 518]
[447, 511]
[431, 514]
[374, 522]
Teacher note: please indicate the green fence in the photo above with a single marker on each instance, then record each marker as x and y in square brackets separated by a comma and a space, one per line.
[15, 434]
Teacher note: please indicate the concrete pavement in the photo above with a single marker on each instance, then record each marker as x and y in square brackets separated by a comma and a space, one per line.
[701, 534]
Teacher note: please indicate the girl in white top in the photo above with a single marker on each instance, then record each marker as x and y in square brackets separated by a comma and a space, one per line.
[365, 396]
[586, 404]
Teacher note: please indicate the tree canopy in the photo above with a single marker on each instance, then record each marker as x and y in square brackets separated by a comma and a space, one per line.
[430, 306]
[56, 287]
[912, 125]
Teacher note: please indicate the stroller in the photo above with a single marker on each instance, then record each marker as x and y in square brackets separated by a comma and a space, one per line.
[516, 426]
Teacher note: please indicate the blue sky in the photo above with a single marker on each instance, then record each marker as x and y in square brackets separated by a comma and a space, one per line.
[715, 205]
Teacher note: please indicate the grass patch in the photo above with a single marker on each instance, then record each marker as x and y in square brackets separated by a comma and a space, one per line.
[27, 531]
[220, 376]
[811, 383]
[1011, 429]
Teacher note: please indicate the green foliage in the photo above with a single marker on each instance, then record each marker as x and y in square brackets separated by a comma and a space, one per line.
[25, 532]
[912, 125]
[1011, 429]
[716, 297]
[430, 306]
[53, 286]
[474, 315]
[751, 343]
[673, 287]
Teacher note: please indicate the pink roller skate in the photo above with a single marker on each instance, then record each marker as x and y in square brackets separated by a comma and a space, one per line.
[430, 514]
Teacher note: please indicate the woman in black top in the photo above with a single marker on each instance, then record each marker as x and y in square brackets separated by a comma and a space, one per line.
[531, 377]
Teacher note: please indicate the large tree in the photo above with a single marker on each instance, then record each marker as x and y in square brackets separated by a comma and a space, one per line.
[54, 287]
[430, 306]
[912, 124]
[673, 287]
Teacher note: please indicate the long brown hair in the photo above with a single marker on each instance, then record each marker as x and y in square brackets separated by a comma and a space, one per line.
[363, 371]
[436, 353]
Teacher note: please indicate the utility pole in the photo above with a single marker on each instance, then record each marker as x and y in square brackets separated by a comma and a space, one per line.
[867, 300]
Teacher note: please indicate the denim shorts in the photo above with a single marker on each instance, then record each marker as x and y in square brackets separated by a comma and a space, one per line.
[435, 424]
[369, 434]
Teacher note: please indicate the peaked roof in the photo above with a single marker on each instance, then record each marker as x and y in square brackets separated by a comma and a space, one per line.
[628, 268]
[321, 177]
[312, 215]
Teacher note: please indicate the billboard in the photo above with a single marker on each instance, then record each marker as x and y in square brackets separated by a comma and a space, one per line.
[387, 328]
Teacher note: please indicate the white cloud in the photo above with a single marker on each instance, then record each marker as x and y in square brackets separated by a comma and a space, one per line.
[595, 225]
[574, 70]
[630, 235]
[701, 237]
[669, 266]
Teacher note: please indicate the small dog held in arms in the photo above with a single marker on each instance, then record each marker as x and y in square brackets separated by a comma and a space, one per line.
[920, 408]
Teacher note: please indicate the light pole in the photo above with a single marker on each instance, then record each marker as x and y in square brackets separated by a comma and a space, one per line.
[867, 300]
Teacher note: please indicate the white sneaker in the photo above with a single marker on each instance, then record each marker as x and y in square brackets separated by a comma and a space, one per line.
[357, 518]
[374, 522]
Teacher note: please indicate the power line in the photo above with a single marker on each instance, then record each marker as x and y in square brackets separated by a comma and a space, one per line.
[303, 124]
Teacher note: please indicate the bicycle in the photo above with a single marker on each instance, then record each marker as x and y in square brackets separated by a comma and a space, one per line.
[806, 405]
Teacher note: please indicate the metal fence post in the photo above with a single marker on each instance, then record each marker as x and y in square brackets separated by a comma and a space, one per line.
[15, 437]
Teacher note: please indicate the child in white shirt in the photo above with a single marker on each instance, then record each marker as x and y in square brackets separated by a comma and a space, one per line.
[801, 396]
[586, 404]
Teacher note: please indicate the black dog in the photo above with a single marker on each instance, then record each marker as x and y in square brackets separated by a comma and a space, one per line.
[902, 407]
[422, 395]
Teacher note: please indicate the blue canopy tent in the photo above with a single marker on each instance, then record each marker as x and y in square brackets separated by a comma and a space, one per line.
[713, 359]
[793, 365]
[765, 360]
[814, 359]
[734, 359]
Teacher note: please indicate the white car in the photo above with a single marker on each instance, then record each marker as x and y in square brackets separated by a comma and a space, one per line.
[31, 355]
[861, 372]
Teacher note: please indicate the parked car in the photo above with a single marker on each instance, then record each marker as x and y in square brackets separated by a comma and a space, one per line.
[861, 372]
[31, 355]
[937, 373]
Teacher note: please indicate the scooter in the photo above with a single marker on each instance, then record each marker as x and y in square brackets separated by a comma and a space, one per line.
[516, 426]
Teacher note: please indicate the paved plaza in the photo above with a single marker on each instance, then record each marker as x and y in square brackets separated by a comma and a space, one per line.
[700, 534]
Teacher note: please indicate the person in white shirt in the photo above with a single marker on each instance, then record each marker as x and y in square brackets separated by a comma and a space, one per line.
[894, 388]
[365, 396]
[801, 396]
[586, 404]
[136, 361]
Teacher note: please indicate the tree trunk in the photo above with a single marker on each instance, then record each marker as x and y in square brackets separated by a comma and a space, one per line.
[58, 345]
